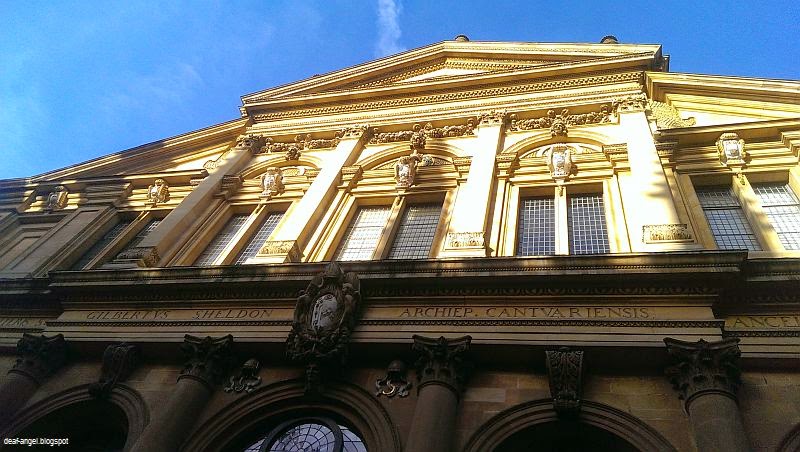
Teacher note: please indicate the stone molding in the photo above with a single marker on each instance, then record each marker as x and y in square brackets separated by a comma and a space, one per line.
[442, 361]
[40, 356]
[702, 367]
[666, 233]
[565, 373]
[207, 359]
[147, 256]
[119, 361]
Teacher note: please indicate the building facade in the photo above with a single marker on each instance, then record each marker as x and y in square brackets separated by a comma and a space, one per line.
[469, 246]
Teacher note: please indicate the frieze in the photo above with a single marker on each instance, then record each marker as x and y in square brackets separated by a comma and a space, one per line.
[427, 130]
[660, 233]
[561, 120]
[763, 322]
[486, 90]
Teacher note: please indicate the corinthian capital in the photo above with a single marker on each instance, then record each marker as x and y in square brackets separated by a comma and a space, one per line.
[40, 356]
[703, 367]
[442, 361]
[208, 359]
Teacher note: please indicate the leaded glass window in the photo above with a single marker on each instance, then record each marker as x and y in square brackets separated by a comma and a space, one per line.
[726, 219]
[261, 236]
[99, 245]
[586, 219]
[416, 232]
[781, 206]
[309, 435]
[536, 231]
[222, 240]
[363, 234]
[140, 236]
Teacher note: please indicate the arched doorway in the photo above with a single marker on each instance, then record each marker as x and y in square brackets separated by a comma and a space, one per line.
[257, 421]
[535, 426]
[88, 425]
[565, 436]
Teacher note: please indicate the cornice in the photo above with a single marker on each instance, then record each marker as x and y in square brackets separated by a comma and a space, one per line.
[709, 134]
[449, 95]
[659, 84]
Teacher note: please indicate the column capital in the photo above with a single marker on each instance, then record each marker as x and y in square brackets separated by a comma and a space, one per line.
[208, 359]
[634, 103]
[442, 361]
[704, 367]
[40, 356]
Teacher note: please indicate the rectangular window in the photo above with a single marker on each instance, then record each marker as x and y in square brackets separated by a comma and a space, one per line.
[416, 232]
[536, 231]
[726, 219]
[222, 240]
[781, 206]
[261, 236]
[363, 234]
[140, 236]
[586, 220]
[98, 246]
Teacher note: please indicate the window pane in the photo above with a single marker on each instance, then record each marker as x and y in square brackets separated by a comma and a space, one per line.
[140, 236]
[415, 234]
[98, 246]
[260, 237]
[726, 219]
[536, 232]
[222, 240]
[361, 237]
[586, 218]
[783, 210]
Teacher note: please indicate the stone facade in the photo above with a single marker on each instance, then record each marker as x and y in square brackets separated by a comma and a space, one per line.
[398, 253]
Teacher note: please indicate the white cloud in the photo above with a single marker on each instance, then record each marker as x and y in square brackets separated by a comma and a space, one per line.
[168, 88]
[388, 28]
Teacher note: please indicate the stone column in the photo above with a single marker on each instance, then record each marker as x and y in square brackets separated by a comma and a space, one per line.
[441, 372]
[39, 357]
[706, 376]
[207, 362]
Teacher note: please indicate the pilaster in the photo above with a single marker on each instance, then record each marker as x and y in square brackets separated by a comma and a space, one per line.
[470, 215]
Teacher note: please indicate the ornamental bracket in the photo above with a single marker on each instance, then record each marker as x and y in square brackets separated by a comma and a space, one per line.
[565, 372]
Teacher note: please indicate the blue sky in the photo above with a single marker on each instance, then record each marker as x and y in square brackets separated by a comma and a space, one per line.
[80, 79]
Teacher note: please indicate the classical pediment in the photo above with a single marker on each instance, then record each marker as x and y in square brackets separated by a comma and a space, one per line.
[452, 64]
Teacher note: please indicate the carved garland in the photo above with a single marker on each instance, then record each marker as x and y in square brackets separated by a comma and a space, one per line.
[558, 123]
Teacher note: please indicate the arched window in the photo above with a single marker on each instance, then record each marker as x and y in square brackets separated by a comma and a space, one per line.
[309, 435]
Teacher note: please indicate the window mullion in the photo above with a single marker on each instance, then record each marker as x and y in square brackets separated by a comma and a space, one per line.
[759, 221]
[561, 221]
[389, 231]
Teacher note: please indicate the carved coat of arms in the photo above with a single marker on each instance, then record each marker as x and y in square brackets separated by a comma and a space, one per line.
[324, 317]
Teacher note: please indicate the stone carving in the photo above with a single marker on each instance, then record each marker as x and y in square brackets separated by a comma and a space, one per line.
[702, 367]
[251, 142]
[355, 131]
[558, 124]
[654, 233]
[428, 131]
[418, 138]
[247, 379]
[565, 372]
[324, 317]
[405, 170]
[492, 117]
[629, 104]
[208, 359]
[293, 150]
[277, 247]
[271, 182]
[119, 361]
[395, 383]
[666, 116]
[40, 356]
[158, 193]
[731, 150]
[442, 361]
[559, 161]
[57, 199]
[464, 240]
[148, 255]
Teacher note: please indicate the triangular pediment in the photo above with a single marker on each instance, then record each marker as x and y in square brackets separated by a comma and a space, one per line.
[451, 63]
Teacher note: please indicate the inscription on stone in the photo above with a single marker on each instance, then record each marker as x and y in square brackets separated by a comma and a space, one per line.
[529, 312]
[764, 321]
[21, 322]
[127, 315]
[206, 314]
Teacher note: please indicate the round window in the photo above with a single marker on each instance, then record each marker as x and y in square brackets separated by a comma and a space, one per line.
[309, 435]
